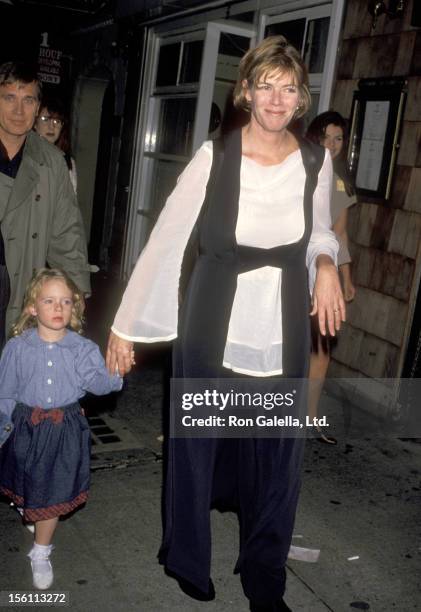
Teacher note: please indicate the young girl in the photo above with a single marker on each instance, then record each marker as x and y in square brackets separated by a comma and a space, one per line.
[44, 370]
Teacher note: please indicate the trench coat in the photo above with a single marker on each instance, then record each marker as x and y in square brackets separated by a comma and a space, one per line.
[40, 222]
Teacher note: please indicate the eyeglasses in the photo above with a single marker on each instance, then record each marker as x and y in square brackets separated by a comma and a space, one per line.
[47, 119]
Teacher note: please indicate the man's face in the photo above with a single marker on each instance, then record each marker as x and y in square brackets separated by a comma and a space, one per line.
[18, 108]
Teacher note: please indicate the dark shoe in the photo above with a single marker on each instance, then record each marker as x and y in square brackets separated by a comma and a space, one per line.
[275, 606]
[320, 435]
[191, 590]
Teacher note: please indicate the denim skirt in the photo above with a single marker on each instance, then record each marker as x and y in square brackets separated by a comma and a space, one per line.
[44, 465]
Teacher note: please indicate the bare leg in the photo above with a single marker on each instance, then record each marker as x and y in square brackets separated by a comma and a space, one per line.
[319, 363]
[44, 531]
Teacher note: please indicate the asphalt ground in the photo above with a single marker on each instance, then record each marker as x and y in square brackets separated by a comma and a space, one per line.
[359, 505]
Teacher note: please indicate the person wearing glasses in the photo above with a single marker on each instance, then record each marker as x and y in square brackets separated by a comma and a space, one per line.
[53, 124]
[40, 221]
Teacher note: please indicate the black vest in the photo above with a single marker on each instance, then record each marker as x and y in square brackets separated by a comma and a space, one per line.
[206, 309]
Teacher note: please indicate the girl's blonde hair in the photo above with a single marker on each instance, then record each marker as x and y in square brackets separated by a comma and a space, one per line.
[273, 55]
[41, 276]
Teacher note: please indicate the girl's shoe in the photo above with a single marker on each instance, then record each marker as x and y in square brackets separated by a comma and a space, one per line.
[42, 570]
[29, 526]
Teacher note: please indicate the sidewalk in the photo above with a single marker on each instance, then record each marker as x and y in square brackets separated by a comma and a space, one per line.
[359, 500]
[106, 554]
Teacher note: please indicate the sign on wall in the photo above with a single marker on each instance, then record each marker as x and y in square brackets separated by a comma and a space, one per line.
[49, 62]
[376, 118]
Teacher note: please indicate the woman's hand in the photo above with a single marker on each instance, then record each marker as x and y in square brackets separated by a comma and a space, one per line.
[328, 301]
[120, 355]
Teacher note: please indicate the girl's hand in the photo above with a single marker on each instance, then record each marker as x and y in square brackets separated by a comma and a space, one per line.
[120, 355]
[328, 301]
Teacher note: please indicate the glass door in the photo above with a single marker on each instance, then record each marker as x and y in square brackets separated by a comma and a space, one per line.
[191, 78]
[172, 110]
[308, 30]
[225, 44]
[165, 129]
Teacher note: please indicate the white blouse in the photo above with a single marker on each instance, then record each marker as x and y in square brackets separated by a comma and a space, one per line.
[271, 213]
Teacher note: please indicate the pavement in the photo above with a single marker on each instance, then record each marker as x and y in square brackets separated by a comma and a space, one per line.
[360, 505]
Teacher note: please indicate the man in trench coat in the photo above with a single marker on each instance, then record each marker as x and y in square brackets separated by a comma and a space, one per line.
[40, 222]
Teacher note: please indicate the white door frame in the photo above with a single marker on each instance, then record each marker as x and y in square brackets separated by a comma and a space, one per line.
[208, 71]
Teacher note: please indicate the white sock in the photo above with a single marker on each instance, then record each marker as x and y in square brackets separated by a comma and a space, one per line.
[41, 551]
[42, 571]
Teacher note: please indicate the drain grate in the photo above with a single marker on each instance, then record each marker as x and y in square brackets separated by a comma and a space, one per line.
[101, 431]
[111, 434]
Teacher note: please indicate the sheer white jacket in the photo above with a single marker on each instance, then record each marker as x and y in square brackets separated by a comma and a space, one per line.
[271, 213]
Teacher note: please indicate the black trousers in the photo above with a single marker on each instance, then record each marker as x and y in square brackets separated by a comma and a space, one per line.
[4, 301]
[260, 479]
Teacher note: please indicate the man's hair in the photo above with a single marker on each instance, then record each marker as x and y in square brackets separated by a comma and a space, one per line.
[20, 72]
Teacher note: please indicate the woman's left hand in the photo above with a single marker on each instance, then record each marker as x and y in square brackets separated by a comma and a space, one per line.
[120, 355]
[328, 301]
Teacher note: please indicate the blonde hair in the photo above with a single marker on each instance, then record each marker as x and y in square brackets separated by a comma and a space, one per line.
[273, 55]
[40, 277]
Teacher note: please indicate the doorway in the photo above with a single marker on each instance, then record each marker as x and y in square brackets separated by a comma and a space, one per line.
[188, 83]
[97, 249]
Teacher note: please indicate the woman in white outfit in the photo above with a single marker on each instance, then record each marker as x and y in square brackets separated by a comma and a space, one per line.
[259, 203]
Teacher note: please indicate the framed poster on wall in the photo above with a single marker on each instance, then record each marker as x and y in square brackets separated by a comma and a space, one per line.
[376, 118]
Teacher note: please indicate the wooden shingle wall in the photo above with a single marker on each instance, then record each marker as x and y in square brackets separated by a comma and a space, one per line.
[385, 237]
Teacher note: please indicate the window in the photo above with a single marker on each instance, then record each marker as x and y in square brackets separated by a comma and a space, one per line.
[169, 59]
[309, 36]
[179, 63]
[175, 128]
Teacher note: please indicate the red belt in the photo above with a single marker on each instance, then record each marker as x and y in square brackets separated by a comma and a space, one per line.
[39, 414]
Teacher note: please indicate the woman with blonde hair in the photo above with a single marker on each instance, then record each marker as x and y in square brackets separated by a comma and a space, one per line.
[259, 203]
